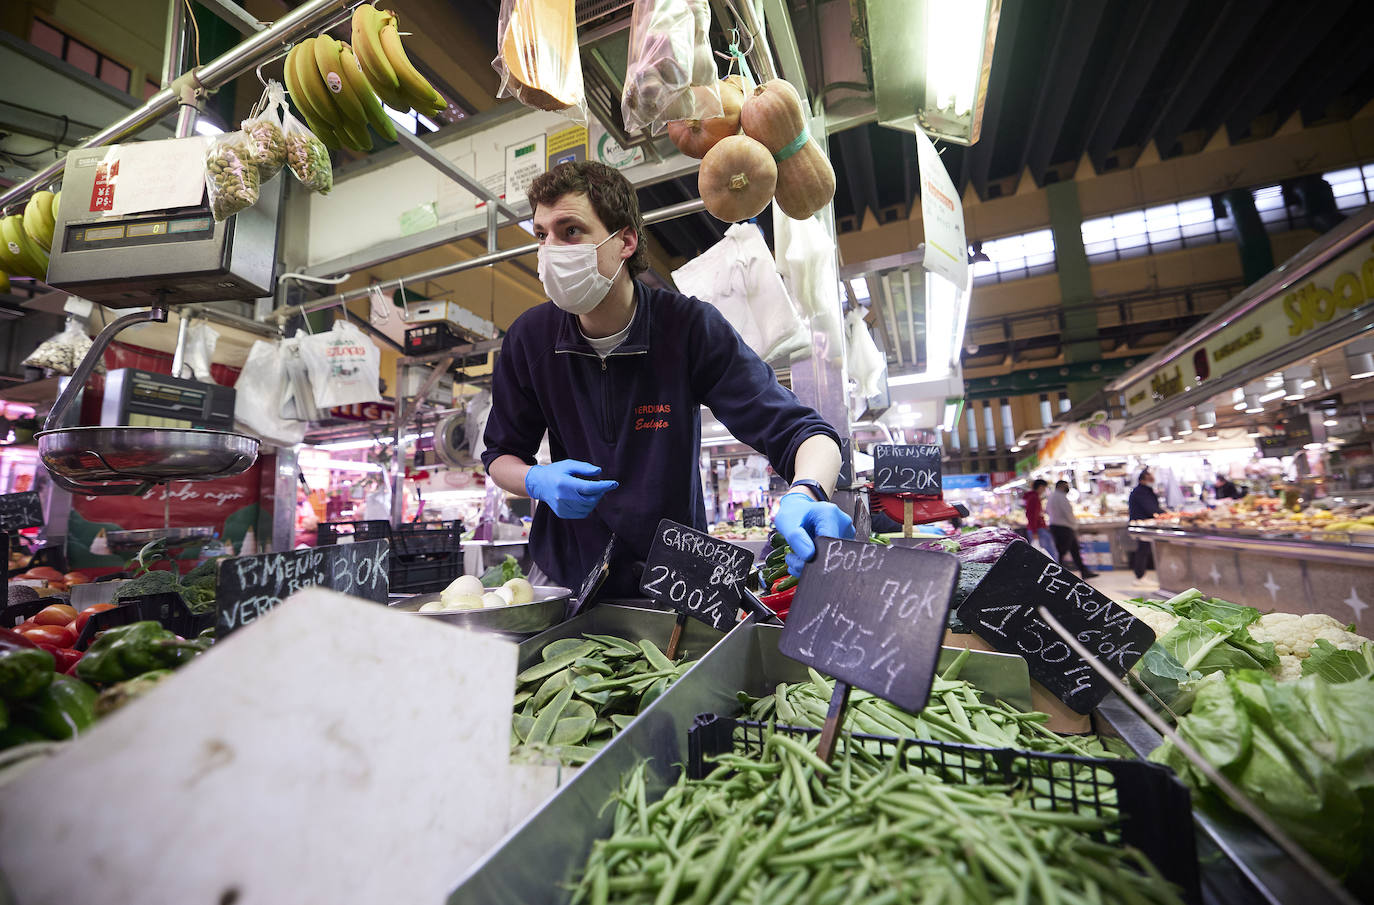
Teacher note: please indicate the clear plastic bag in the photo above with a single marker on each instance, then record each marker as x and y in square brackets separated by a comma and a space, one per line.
[307, 156]
[231, 177]
[671, 73]
[344, 366]
[264, 132]
[62, 352]
[262, 388]
[538, 57]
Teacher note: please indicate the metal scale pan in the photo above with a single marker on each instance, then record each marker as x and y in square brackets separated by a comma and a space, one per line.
[130, 460]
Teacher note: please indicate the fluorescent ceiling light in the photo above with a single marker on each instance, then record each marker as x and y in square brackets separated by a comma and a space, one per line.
[858, 288]
[207, 127]
[1330, 422]
[404, 120]
[428, 123]
[1271, 396]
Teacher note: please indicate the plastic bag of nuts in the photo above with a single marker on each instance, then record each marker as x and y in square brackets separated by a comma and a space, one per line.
[308, 157]
[266, 138]
[231, 177]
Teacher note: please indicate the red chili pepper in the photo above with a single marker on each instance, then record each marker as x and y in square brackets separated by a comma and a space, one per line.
[65, 657]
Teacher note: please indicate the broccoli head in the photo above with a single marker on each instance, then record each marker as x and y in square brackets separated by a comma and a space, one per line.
[202, 573]
[154, 582]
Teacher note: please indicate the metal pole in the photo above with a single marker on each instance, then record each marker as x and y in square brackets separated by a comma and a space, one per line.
[656, 216]
[306, 19]
[179, 353]
[175, 53]
[398, 462]
[422, 149]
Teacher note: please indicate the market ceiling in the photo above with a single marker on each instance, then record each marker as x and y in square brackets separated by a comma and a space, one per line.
[1078, 83]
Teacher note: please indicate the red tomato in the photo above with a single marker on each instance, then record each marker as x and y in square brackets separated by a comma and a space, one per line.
[24, 626]
[57, 614]
[47, 573]
[56, 635]
[72, 578]
[85, 615]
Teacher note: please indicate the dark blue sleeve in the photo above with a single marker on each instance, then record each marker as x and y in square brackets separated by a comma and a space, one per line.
[744, 393]
[516, 424]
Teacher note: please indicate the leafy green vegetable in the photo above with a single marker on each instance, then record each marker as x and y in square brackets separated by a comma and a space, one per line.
[1203, 646]
[501, 573]
[1335, 665]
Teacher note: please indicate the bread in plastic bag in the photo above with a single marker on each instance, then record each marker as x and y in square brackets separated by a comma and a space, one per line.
[307, 156]
[671, 74]
[264, 132]
[231, 177]
[538, 57]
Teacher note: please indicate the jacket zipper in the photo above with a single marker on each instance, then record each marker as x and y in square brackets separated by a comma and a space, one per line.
[607, 425]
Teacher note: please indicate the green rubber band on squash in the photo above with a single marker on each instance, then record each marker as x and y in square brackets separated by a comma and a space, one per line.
[793, 146]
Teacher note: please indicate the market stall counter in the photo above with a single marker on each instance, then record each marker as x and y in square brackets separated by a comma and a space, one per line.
[1289, 574]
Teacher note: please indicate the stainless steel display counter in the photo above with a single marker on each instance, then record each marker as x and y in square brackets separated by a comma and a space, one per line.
[1112, 532]
[1285, 574]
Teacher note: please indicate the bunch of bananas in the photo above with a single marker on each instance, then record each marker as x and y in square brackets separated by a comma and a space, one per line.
[339, 89]
[26, 239]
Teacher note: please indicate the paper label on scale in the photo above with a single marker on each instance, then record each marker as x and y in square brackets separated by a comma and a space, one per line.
[524, 161]
[150, 176]
[942, 214]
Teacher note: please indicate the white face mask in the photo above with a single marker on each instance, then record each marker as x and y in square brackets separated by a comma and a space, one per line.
[571, 277]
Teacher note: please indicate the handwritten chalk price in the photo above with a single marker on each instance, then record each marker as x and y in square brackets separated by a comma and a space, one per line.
[696, 574]
[907, 469]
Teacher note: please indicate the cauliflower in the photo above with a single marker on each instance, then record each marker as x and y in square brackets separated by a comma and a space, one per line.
[1160, 622]
[1294, 635]
[1289, 668]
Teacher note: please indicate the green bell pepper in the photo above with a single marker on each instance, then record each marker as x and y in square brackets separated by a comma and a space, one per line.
[63, 709]
[24, 672]
[126, 651]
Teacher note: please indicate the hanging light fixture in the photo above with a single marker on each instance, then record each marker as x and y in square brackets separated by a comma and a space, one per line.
[1253, 403]
[1185, 427]
[1206, 416]
[1359, 358]
[1166, 429]
[1238, 397]
[1295, 381]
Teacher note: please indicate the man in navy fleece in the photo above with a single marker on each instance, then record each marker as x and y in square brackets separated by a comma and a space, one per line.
[616, 373]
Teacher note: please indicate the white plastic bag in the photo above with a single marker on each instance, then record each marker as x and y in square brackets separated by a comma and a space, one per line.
[538, 57]
[737, 276]
[201, 340]
[231, 177]
[866, 363]
[263, 129]
[671, 74]
[344, 366]
[806, 260]
[258, 395]
[307, 156]
[298, 402]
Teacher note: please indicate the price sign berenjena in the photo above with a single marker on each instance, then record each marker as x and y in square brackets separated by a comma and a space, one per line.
[906, 469]
[248, 587]
[696, 574]
[873, 616]
[755, 517]
[1002, 611]
[20, 510]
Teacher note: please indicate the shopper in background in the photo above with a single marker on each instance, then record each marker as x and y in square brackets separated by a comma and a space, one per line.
[1064, 528]
[1034, 500]
[1226, 490]
[1143, 505]
[616, 373]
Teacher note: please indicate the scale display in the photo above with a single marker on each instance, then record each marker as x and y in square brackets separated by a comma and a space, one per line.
[143, 399]
[192, 227]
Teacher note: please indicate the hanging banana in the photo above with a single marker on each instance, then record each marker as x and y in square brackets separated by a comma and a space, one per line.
[38, 219]
[377, 45]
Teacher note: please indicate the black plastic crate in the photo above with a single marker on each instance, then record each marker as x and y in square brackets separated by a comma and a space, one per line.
[424, 573]
[1152, 810]
[375, 529]
[418, 538]
[168, 609]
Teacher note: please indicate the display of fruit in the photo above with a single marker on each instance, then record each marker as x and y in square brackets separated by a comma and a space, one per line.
[694, 137]
[21, 255]
[383, 60]
[38, 219]
[737, 179]
[774, 116]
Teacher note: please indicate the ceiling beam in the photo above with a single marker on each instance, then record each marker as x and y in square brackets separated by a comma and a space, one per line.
[1225, 40]
[1073, 43]
[1295, 42]
[1331, 79]
[1137, 53]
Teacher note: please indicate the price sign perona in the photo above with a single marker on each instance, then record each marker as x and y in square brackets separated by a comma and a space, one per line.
[907, 469]
[696, 574]
[1001, 610]
[20, 510]
[248, 587]
[873, 616]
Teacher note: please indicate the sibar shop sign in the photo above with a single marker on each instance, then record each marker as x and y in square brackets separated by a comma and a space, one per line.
[1340, 288]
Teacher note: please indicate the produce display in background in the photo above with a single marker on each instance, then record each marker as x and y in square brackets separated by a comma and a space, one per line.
[1323, 520]
[585, 691]
[62, 352]
[196, 587]
[786, 827]
[467, 592]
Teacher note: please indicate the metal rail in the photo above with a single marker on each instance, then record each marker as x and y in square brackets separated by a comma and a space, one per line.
[305, 19]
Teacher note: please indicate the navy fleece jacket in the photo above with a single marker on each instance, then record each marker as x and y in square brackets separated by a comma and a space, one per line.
[638, 416]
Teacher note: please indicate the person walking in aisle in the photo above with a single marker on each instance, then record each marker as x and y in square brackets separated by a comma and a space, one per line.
[1064, 529]
[1034, 500]
[1143, 505]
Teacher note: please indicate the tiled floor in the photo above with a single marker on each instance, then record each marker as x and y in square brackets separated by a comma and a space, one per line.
[1122, 583]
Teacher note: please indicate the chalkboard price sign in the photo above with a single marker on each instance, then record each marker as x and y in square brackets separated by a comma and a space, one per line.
[755, 517]
[845, 480]
[20, 510]
[1001, 610]
[907, 469]
[248, 587]
[873, 617]
[696, 574]
[591, 585]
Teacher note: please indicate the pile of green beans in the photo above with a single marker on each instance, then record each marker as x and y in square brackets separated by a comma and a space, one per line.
[787, 827]
[583, 692]
[956, 712]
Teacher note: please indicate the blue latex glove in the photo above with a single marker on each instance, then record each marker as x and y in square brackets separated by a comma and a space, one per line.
[566, 486]
[800, 520]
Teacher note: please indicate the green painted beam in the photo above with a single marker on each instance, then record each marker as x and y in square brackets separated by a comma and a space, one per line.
[1087, 376]
[1075, 277]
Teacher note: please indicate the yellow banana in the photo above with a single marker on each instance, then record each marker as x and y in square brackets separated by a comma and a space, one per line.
[317, 97]
[56, 199]
[38, 221]
[19, 248]
[415, 86]
[367, 46]
[294, 89]
[4, 281]
[331, 69]
[376, 116]
[35, 252]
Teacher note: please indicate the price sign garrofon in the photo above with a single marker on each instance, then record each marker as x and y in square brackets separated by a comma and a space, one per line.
[695, 574]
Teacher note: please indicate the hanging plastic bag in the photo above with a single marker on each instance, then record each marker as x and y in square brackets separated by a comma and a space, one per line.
[806, 260]
[866, 363]
[231, 177]
[298, 402]
[671, 74]
[344, 366]
[201, 340]
[307, 156]
[258, 394]
[264, 132]
[538, 57]
[62, 352]
[737, 276]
